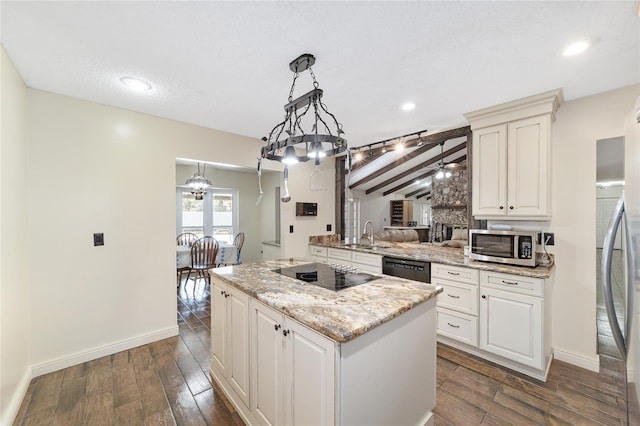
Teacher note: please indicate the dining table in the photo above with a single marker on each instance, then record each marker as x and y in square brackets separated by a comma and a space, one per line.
[227, 254]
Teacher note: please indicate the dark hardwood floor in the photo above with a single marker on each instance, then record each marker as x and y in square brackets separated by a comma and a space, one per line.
[167, 382]
[163, 383]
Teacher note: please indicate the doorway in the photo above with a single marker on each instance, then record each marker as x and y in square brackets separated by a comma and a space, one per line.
[609, 188]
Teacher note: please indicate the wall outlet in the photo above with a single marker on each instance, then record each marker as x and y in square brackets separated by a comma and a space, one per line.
[291, 229]
[548, 239]
[98, 239]
[328, 227]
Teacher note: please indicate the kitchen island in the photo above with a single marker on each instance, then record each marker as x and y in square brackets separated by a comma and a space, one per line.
[289, 352]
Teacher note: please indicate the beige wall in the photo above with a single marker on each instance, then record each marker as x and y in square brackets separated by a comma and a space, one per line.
[15, 361]
[94, 168]
[579, 124]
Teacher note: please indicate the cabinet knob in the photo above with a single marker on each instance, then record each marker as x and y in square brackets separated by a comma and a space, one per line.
[222, 292]
[511, 207]
[484, 297]
[285, 332]
[501, 207]
[277, 327]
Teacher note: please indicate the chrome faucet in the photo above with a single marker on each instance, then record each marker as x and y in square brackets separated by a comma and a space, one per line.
[369, 235]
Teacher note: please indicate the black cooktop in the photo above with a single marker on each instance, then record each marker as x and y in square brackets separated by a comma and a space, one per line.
[332, 277]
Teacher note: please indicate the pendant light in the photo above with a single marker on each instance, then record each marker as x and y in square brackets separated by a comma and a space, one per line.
[288, 141]
[198, 183]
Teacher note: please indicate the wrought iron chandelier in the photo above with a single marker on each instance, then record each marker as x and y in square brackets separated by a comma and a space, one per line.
[288, 141]
[198, 183]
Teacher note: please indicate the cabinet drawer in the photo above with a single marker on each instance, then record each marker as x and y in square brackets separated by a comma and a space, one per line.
[367, 259]
[339, 254]
[458, 326]
[513, 283]
[456, 273]
[318, 251]
[367, 268]
[458, 297]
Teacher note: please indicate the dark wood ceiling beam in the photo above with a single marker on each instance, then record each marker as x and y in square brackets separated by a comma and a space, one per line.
[426, 194]
[403, 159]
[416, 192]
[431, 141]
[422, 176]
[407, 183]
[368, 157]
[417, 168]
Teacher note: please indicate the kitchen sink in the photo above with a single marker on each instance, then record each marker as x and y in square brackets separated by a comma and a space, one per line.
[356, 246]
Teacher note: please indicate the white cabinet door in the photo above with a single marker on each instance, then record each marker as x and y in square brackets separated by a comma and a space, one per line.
[309, 375]
[267, 365]
[511, 169]
[219, 326]
[293, 371]
[489, 195]
[238, 344]
[511, 326]
[528, 167]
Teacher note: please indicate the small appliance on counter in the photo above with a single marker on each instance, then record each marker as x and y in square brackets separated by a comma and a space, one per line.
[509, 247]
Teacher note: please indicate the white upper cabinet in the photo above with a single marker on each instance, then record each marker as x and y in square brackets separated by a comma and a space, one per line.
[511, 158]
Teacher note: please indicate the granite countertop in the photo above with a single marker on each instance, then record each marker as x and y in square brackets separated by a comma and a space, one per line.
[438, 254]
[340, 315]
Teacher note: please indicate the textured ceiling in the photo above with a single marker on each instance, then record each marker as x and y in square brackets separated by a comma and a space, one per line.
[224, 65]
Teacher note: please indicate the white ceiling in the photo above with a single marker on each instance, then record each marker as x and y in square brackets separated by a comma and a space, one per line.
[224, 65]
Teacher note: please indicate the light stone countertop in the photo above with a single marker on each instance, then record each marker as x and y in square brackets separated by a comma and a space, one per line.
[340, 315]
[438, 254]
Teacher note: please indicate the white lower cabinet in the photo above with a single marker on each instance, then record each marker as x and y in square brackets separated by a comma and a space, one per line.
[293, 370]
[367, 262]
[318, 253]
[458, 302]
[230, 337]
[511, 323]
[505, 318]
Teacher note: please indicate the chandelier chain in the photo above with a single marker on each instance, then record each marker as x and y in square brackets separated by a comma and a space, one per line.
[313, 76]
[293, 85]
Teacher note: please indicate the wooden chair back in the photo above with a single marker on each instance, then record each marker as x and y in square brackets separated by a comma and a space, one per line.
[203, 253]
[186, 239]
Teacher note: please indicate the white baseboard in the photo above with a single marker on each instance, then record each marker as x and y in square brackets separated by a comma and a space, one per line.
[94, 353]
[592, 364]
[11, 410]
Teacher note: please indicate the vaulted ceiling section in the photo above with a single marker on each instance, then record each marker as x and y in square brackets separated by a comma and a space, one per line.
[408, 170]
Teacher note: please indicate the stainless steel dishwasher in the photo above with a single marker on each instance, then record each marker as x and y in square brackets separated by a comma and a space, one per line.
[416, 270]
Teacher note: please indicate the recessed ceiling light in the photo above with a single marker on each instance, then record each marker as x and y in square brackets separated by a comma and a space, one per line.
[135, 84]
[409, 106]
[576, 47]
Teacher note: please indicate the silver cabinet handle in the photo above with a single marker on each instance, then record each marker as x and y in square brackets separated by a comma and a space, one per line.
[452, 296]
[454, 326]
[509, 282]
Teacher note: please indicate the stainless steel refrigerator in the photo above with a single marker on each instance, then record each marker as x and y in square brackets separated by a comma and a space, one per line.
[625, 325]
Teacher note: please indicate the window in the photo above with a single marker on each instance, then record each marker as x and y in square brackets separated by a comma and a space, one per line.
[216, 214]
[352, 221]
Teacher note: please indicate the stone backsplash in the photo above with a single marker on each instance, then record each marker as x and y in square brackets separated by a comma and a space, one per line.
[450, 192]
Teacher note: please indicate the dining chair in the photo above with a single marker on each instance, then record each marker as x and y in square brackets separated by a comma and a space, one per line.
[184, 239]
[238, 242]
[203, 257]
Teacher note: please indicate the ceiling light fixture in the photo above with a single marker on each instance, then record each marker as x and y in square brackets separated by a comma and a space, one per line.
[323, 137]
[198, 183]
[409, 106]
[576, 47]
[136, 84]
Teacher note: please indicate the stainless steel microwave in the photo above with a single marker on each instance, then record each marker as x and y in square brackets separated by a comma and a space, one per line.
[510, 247]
